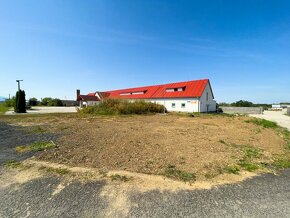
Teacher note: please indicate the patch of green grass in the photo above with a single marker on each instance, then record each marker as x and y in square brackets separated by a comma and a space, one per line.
[35, 146]
[172, 172]
[13, 164]
[281, 163]
[262, 122]
[251, 153]
[232, 169]
[117, 177]
[39, 146]
[60, 171]
[248, 166]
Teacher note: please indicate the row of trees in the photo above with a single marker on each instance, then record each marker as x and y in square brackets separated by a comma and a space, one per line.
[32, 101]
[243, 103]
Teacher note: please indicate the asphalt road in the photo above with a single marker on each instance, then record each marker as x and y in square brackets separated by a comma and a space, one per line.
[263, 196]
[48, 195]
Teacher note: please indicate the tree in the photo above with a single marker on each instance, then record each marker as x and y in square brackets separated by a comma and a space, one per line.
[45, 101]
[20, 102]
[33, 101]
[242, 103]
[55, 102]
[10, 102]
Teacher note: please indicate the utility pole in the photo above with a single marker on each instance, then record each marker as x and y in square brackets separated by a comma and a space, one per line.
[19, 84]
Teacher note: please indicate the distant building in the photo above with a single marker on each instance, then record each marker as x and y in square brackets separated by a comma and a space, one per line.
[189, 96]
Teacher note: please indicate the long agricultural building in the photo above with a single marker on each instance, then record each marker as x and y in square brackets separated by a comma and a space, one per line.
[189, 96]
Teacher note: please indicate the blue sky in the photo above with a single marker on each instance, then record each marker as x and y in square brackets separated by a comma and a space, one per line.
[56, 46]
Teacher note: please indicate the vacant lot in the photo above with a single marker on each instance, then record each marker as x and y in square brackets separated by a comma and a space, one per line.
[176, 146]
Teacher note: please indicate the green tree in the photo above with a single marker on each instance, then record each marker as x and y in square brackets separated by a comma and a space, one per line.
[242, 103]
[10, 102]
[33, 101]
[20, 102]
[55, 102]
[45, 101]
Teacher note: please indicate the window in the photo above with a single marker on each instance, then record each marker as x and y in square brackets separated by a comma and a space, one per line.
[207, 96]
[127, 93]
[134, 93]
[178, 89]
[173, 105]
[183, 105]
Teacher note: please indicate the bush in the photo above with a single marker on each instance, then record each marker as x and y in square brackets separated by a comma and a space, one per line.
[114, 106]
[263, 122]
[51, 102]
[10, 102]
[20, 104]
[33, 101]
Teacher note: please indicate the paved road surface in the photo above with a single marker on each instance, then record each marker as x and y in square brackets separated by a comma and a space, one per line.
[276, 116]
[47, 110]
[263, 196]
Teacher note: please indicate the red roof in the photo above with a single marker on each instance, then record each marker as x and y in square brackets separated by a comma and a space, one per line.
[191, 89]
[88, 98]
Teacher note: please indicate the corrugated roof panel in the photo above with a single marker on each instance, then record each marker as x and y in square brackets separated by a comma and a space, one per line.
[193, 88]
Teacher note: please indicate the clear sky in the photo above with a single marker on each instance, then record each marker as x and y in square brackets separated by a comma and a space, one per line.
[55, 46]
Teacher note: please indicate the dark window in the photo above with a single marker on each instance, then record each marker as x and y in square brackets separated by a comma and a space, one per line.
[173, 105]
[183, 105]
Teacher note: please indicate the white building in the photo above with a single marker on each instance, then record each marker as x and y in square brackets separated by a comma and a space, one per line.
[190, 96]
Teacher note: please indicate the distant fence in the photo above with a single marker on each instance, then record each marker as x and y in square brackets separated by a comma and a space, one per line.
[288, 110]
[242, 110]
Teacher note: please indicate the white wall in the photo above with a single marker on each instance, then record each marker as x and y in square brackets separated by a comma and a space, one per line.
[191, 104]
[207, 105]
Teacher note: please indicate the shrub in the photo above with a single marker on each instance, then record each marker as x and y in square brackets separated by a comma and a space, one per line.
[33, 101]
[114, 106]
[51, 102]
[20, 104]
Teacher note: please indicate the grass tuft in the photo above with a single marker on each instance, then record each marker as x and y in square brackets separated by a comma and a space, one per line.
[117, 177]
[281, 163]
[13, 164]
[262, 122]
[248, 166]
[60, 171]
[172, 172]
[232, 169]
[39, 146]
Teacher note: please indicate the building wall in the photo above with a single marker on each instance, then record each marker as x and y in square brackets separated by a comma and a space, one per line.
[190, 104]
[207, 104]
[242, 110]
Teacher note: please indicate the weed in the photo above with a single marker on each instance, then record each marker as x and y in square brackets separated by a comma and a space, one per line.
[251, 153]
[22, 149]
[13, 164]
[263, 122]
[172, 172]
[61, 171]
[281, 163]
[39, 146]
[117, 177]
[223, 142]
[248, 166]
[232, 169]
[103, 173]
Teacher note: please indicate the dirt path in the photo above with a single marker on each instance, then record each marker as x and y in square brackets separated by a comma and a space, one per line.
[276, 116]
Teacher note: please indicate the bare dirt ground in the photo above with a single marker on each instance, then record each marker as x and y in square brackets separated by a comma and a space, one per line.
[148, 144]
